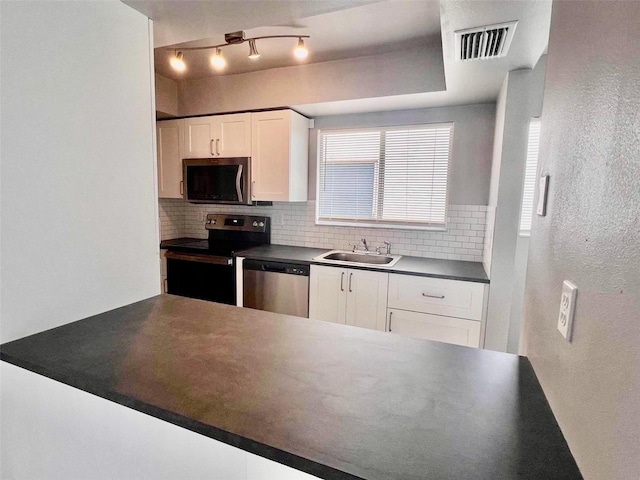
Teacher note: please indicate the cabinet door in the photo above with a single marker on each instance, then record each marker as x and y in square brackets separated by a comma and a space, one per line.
[327, 294]
[270, 155]
[367, 299]
[199, 137]
[169, 138]
[434, 327]
[232, 135]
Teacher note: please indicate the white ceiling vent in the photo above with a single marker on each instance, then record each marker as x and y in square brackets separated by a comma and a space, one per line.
[491, 41]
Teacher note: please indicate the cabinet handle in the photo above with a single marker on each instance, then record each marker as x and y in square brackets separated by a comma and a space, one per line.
[181, 187]
[342, 282]
[211, 148]
[432, 296]
[217, 144]
[390, 314]
[166, 288]
[253, 189]
[350, 275]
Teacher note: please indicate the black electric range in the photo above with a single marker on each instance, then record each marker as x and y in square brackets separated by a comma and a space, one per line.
[204, 269]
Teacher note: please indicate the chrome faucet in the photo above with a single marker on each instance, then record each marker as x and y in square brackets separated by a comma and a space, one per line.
[364, 242]
[388, 252]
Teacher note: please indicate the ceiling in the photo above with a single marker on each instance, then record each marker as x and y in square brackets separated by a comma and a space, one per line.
[342, 29]
[338, 35]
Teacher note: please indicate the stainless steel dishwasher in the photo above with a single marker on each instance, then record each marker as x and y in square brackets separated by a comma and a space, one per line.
[278, 287]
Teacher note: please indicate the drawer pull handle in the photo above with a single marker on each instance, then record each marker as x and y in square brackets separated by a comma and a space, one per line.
[432, 296]
[390, 314]
[342, 282]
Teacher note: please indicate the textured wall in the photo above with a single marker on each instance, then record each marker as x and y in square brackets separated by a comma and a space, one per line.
[590, 147]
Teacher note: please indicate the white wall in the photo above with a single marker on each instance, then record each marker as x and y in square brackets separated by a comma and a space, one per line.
[404, 72]
[591, 236]
[166, 97]
[470, 167]
[78, 208]
[520, 99]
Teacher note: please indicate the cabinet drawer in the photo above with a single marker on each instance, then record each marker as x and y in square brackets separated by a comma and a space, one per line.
[434, 327]
[435, 295]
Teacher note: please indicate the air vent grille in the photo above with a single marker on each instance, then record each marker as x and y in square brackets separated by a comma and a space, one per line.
[478, 43]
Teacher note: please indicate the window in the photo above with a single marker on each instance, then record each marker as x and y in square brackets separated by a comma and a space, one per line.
[384, 177]
[530, 175]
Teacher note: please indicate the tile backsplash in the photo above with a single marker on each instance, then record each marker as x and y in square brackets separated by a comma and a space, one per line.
[294, 224]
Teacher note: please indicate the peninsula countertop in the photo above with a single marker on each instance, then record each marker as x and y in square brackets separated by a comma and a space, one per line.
[335, 401]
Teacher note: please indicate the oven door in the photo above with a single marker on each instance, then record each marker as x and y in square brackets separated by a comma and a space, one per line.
[218, 180]
[201, 276]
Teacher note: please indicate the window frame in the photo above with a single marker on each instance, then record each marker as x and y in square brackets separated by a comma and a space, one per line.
[526, 232]
[387, 224]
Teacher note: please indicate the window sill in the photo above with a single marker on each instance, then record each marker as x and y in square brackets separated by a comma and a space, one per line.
[399, 226]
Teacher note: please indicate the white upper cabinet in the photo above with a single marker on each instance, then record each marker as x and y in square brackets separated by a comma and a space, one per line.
[169, 139]
[218, 136]
[279, 156]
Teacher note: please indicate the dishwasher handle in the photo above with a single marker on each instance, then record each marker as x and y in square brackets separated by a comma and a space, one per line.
[276, 267]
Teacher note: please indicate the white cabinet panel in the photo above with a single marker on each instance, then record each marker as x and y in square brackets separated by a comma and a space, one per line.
[438, 296]
[169, 138]
[279, 156]
[199, 138]
[327, 294]
[367, 299]
[218, 136]
[435, 327]
[234, 135]
[343, 295]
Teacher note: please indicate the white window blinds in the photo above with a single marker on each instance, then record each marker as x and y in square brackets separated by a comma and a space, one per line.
[395, 176]
[531, 168]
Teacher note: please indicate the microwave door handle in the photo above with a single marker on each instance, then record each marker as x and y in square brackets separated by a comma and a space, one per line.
[238, 180]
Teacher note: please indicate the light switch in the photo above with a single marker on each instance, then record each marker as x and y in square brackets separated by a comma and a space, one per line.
[567, 307]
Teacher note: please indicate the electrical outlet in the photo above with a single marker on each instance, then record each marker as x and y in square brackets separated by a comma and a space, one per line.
[567, 307]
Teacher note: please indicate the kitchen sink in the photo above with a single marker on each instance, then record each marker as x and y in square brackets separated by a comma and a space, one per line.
[343, 257]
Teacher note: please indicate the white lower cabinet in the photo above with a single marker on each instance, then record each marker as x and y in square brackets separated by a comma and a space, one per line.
[449, 311]
[348, 296]
[434, 327]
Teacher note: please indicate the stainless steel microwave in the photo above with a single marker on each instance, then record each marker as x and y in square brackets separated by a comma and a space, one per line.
[217, 180]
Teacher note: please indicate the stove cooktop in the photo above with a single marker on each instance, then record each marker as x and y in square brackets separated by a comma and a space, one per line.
[229, 234]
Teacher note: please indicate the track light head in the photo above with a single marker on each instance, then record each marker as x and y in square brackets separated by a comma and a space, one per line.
[217, 61]
[178, 63]
[253, 51]
[301, 51]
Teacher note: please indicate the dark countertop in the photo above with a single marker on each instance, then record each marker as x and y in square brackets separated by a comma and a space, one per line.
[425, 267]
[335, 401]
[178, 241]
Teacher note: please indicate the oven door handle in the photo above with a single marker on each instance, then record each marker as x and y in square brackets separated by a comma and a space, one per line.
[238, 180]
[186, 257]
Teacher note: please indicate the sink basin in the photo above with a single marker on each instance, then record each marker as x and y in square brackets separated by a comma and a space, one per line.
[354, 258]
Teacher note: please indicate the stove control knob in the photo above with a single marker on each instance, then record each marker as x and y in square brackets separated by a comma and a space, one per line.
[214, 221]
[261, 224]
[255, 224]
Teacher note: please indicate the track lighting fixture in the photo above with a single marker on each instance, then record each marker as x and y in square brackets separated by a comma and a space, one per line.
[177, 62]
[218, 62]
